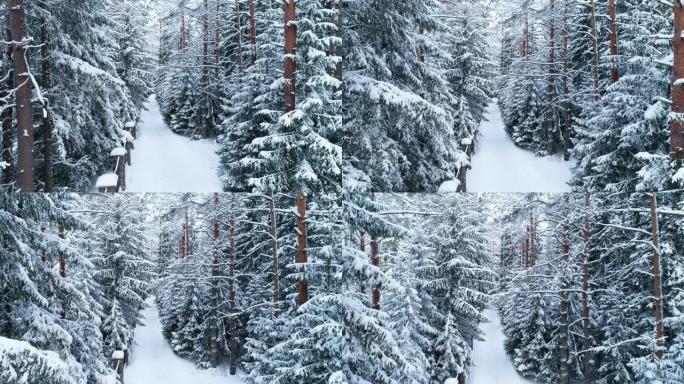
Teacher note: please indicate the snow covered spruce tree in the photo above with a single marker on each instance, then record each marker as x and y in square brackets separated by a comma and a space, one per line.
[414, 95]
[87, 83]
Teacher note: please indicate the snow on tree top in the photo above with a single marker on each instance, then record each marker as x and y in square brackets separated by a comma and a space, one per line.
[130, 124]
[118, 151]
[107, 180]
[466, 141]
[118, 355]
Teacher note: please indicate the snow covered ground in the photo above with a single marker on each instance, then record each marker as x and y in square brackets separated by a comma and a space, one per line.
[491, 364]
[153, 361]
[500, 166]
[166, 162]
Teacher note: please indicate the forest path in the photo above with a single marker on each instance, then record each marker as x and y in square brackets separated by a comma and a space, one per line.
[501, 166]
[166, 162]
[491, 364]
[153, 361]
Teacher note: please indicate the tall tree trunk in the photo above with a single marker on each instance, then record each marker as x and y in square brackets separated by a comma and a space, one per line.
[564, 304]
[252, 32]
[23, 86]
[612, 15]
[526, 38]
[182, 41]
[215, 275]
[551, 119]
[6, 117]
[657, 280]
[289, 65]
[238, 28]
[303, 286]
[677, 133]
[533, 241]
[205, 69]
[233, 343]
[48, 125]
[567, 113]
[594, 46]
[421, 49]
[274, 248]
[362, 248]
[588, 356]
[62, 262]
[375, 260]
[340, 33]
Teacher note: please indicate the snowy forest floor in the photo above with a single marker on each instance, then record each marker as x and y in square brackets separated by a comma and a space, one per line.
[491, 364]
[153, 361]
[166, 162]
[501, 166]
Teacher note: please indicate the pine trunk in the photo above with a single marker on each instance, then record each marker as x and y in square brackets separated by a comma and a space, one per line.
[6, 117]
[551, 119]
[48, 127]
[289, 66]
[421, 50]
[238, 28]
[233, 342]
[612, 15]
[252, 32]
[362, 248]
[677, 134]
[567, 113]
[586, 330]
[205, 68]
[22, 86]
[274, 248]
[62, 262]
[375, 261]
[303, 286]
[533, 242]
[657, 282]
[564, 304]
[594, 46]
[215, 275]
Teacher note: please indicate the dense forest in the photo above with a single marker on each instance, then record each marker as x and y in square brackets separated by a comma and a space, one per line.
[588, 286]
[597, 82]
[246, 279]
[75, 77]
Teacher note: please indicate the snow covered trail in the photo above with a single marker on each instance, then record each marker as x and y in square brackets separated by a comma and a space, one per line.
[153, 361]
[163, 161]
[501, 166]
[491, 364]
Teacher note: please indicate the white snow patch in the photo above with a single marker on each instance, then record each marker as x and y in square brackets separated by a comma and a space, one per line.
[130, 124]
[449, 186]
[153, 361]
[167, 162]
[118, 151]
[118, 355]
[107, 180]
[491, 364]
[500, 166]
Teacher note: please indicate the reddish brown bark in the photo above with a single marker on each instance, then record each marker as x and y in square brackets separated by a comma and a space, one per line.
[48, 126]
[62, 262]
[563, 334]
[375, 260]
[274, 248]
[657, 280]
[23, 86]
[567, 115]
[232, 324]
[238, 27]
[362, 247]
[677, 132]
[215, 275]
[551, 119]
[6, 117]
[252, 31]
[612, 15]
[303, 286]
[594, 46]
[289, 66]
[181, 40]
[588, 359]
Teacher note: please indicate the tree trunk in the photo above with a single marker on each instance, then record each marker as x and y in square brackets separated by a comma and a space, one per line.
[252, 31]
[564, 304]
[657, 282]
[233, 343]
[46, 76]
[677, 133]
[274, 248]
[23, 86]
[586, 330]
[6, 117]
[421, 50]
[238, 27]
[533, 241]
[62, 262]
[567, 113]
[375, 260]
[362, 248]
[289, 65]
[303, 287]
[594, 46]
[551, 119]
[182, 42]
[340, 33]
[526, 38]
[612, 15]
[215, 275]
[205, 69]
